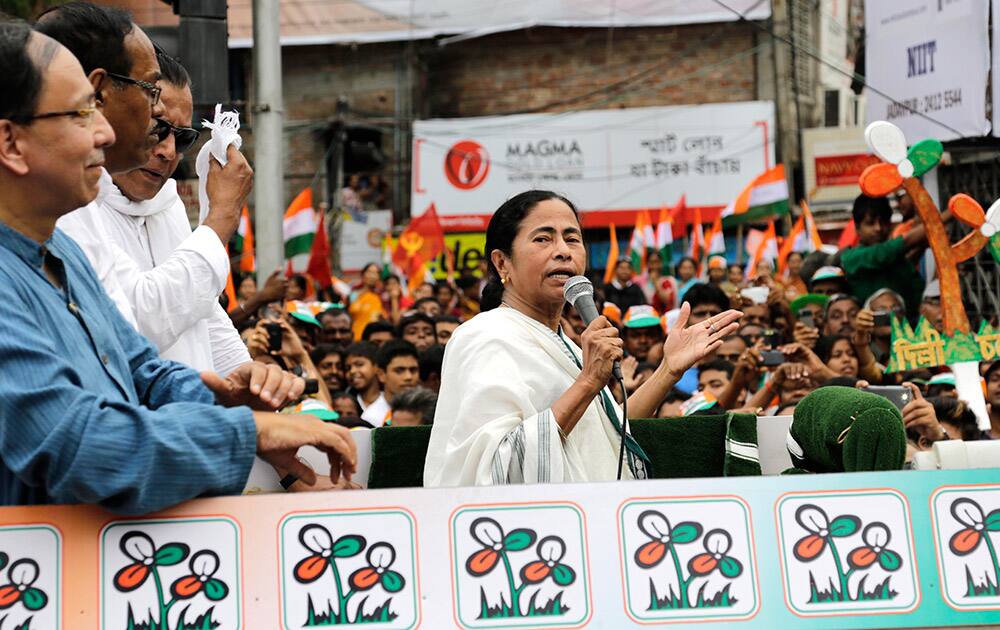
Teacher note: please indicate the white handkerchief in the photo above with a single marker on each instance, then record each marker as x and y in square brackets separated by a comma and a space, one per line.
[225, 131]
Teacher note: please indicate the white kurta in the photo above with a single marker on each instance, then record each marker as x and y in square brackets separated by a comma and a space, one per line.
[164, 278]
[494, 424]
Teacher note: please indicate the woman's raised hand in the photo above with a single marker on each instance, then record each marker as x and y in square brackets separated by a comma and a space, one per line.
[686, 345]
[602, 346]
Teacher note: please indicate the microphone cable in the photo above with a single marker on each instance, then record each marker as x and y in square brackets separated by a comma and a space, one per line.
[624, 427]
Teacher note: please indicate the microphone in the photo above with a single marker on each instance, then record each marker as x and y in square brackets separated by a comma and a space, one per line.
[579, 292]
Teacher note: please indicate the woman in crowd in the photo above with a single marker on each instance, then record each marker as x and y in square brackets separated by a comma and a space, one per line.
[687, 276]
[519, 401]
[366, 301]
[837, 353]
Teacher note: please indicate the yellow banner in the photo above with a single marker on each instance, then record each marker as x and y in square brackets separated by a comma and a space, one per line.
[467, 249]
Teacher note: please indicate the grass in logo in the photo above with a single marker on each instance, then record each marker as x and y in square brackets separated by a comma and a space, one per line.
[976, 529]
[663, 542]
[497, 547]
[376, 572]
[874, 550]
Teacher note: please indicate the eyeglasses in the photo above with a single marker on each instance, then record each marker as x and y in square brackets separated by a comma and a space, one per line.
[184, 137]
[151, 89]
[84, 113]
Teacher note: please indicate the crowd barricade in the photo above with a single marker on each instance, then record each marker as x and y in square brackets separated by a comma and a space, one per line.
[862, 550]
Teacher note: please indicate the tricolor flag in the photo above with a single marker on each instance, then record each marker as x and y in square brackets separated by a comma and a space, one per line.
[299, 228]
[715, 241]
[803, 238]
[766, 196]
[700, 401]
[665, 234]
[763, 246]
[243, 242]
[609, 269]
[642, 239]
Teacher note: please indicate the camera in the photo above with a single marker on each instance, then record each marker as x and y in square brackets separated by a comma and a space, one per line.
[882, 318]
[806, 317]
[772, 358]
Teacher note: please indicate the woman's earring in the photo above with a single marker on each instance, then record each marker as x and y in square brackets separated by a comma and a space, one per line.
[503, 280]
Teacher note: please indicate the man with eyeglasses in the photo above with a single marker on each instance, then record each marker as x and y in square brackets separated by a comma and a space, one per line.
[145, 218]
[89, 413]
[165, 279]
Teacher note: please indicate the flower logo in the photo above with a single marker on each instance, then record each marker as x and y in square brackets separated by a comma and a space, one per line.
[658, 529]
[203, 566]
[22, 575]
[717, 544]
[318, 540]
[813, 519]
[140, 548]
[551, 550]
[324, 552]
[875, 536]
[490, 535]
[968, 513]
[380, 557]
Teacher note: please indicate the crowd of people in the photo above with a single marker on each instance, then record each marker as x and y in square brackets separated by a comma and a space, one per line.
[110, 316]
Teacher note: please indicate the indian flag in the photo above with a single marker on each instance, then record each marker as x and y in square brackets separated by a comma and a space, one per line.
[244, 242]
[642, 238]
[716, 241]
[803, 238]
[665, 235]
[763, 245]
[299, 229]
[766, 196]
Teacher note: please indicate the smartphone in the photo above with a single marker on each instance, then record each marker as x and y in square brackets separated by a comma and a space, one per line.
[772, 338]
[772, 358]
[806, 317]
[898, 395]
[274, 334]
[882, 318]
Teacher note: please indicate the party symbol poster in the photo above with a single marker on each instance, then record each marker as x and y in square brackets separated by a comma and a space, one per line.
[520, 566]
[30, 577]
[967, 533]
[845, 553]
[688, 559]
[171, 574]
[347, 568]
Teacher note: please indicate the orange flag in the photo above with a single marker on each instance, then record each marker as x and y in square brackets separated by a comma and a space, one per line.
[420, 243]
[244, 242]
[609, 269]
[230, 290]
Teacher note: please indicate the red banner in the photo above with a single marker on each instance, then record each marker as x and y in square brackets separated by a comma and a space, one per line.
[842, 170]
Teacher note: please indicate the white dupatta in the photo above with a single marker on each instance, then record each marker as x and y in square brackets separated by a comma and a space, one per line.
[502, 372]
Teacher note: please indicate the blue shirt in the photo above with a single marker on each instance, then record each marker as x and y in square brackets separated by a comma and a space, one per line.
[89, 413]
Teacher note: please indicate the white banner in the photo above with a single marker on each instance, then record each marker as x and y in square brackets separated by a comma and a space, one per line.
[996, 64]
[607, 162]
[347, 21]
[932, 57]
[361, 242]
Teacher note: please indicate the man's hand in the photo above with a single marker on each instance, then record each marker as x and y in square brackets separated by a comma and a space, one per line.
[274, 289]
[227, 187]
[919, 415]
[686, 345]
[261, 387]
[806, 335]
[280, 436]
[864, 324]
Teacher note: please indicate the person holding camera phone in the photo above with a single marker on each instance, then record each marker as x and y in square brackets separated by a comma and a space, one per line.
[273, 341]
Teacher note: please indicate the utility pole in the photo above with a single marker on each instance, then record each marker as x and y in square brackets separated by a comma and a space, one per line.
[268, 118]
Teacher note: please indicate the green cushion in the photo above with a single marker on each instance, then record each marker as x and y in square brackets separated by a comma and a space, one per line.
[398, 455]
[691, 446]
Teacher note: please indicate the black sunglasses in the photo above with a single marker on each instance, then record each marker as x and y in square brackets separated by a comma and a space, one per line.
[184, 137]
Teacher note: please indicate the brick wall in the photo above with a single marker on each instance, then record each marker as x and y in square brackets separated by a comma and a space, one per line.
[543, 69]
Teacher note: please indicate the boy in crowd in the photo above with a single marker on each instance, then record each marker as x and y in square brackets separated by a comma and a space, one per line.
[378, 333]
[444, 326]
[398, 370]
[641, 332]
[362, 376]
[418, 329]
[329, 362]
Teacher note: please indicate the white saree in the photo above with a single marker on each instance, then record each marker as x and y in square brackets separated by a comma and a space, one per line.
[493, 425]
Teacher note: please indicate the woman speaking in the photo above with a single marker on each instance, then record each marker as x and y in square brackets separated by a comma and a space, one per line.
[519, 401]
